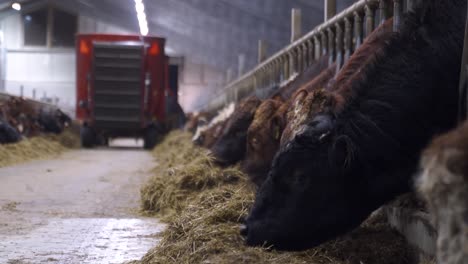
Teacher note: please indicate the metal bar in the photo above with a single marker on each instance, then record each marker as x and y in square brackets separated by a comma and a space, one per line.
[317, 48]
[311, 49]
[370, 19]
[296, 24]
[323, 38]
[348, 39]
[292, 63]
[330, 9]
[305, 56]
[300, 59]
[331, 46]
[358, 29]
[339, 46]
[287, 71]
[397, 13]
[315, 34]
[463, 88]
[261, 51]
[383, 11]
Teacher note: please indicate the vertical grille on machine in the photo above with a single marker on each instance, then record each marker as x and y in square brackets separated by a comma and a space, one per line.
[118, 85]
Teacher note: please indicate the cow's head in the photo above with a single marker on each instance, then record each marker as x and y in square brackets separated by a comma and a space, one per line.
[304, 107]
[230, 147]
[306, 198]
[211, 135]
[263, 137]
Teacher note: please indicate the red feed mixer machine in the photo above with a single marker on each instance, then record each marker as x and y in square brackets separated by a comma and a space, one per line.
[122, 85]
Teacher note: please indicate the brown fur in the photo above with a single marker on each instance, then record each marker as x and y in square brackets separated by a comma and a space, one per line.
[265, 132]
[262, 140]
[194, 120]
[212, 134]
[230, 147]
[371, 49]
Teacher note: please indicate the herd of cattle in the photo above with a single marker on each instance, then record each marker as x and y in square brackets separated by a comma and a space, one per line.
[20, 118]
[329, 148]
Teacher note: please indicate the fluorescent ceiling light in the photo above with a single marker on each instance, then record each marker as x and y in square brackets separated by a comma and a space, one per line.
[16, 6]
[141, 15]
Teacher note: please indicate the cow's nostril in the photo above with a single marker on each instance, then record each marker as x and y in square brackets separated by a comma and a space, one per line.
[244, 230]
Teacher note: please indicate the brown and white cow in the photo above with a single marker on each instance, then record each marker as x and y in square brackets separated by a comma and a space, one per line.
[230, 146]
[208, 137]
[444, 185]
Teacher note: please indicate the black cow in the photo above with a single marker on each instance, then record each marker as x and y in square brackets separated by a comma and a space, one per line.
[361, 151]
[53, 121]
[8, 134]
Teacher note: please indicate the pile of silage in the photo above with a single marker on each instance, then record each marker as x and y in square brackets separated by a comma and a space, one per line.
[206, 205]
[39, 147]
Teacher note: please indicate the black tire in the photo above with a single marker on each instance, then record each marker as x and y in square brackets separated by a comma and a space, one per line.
[151, 138]
[87, 136]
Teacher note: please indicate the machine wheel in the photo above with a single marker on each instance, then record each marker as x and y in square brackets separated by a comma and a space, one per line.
[151, 137]
[87, 137]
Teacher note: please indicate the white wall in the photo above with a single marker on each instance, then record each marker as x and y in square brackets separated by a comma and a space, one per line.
[47, 71]
[196, 83]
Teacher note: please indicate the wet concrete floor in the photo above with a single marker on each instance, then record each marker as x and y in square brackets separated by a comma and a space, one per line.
[78, 208]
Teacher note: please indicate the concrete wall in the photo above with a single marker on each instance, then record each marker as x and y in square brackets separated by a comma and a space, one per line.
[48, 71]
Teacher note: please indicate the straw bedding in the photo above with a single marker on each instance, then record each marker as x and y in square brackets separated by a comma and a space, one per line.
[204, 205]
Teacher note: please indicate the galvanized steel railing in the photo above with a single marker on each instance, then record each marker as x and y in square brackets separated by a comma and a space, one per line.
[36, 104]
[336, 38]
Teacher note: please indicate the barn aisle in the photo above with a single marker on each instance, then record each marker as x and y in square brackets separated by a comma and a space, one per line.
[78, 208]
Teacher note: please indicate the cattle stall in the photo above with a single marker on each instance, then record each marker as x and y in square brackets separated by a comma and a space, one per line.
[37, 104]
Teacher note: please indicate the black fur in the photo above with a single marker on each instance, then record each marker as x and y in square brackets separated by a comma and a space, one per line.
[8, 134]
[324, 183]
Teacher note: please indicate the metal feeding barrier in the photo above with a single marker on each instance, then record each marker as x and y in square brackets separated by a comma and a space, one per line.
[337, 38]
[36, 104]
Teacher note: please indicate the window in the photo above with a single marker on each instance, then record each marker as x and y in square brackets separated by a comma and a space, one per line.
[49, 27]
[35, 28]
[64, 29]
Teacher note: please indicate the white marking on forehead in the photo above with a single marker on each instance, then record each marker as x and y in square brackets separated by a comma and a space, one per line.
[223, 114]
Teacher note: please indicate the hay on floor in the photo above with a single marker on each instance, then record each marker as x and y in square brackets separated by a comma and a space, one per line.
[204, 205]
[40, 147]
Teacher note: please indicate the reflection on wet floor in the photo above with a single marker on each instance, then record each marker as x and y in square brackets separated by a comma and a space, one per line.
[82, 240]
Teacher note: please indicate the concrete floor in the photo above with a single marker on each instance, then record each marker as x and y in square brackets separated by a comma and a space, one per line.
[78, 208]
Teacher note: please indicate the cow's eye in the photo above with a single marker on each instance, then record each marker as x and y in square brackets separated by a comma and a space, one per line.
[253, 142]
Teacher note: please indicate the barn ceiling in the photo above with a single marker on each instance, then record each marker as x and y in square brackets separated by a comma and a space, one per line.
[210, 32]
